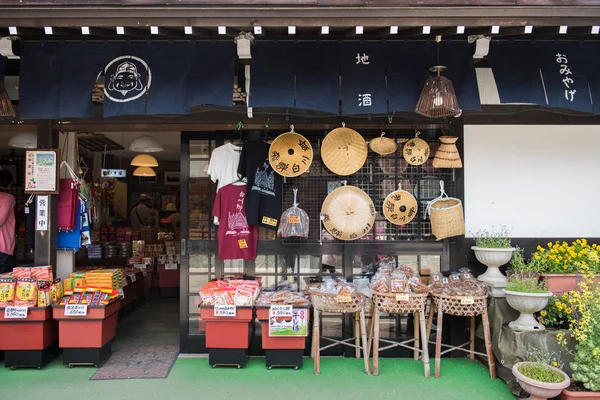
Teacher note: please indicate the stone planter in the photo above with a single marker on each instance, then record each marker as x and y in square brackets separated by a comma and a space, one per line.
[527, 304]
[567, 394]
[493, 259]
[540, 390]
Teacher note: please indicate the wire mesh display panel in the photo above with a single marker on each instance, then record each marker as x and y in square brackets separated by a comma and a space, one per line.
[379, 176]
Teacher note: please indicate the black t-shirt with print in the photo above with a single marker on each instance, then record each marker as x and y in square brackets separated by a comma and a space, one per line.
[263, 200]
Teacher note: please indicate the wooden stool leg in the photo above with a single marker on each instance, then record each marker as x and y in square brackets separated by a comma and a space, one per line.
[416, 332]
[438, 343]
[316, 342]
[371, 328]
[472, 341]
[375, 318]
[430, 319]
[356, 335]
[488, 344]
[425, 345]
[363, 334]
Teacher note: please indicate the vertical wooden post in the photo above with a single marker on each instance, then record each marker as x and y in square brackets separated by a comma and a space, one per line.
[416, 333]
[425, 345]
[363, 334]
[375, 317]
[356, 335]
[472, 341]
[488, 344]
[430, 318]
[438, 343]
[316, 345]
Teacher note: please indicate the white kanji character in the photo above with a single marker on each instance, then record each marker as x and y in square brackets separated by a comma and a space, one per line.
[364, 59]
[564, 70]
[570, 92]
[568, 81]
[561, 58]
[364, 100]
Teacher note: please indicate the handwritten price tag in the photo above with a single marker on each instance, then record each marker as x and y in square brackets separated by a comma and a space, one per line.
[15, 312]
[242, 244]
[225, 311]
[467, 300]
[403, 297]
[132, 277]
[170, 266]
[281, 311]
[343, 298]
[76, 310]
[269, 221]
[294, 219]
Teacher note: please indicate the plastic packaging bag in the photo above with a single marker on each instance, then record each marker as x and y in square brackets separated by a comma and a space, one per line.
[294, 221]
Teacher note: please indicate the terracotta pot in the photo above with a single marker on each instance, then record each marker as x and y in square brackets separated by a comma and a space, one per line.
[540, 390]
[567, 394]
[562, 283]
[527, 304]
[493, 258]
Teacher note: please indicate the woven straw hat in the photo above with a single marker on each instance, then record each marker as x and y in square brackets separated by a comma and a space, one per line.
[416, 151]
[400, 207]
[290, 154]
[447, 155]
[344, 151]
[348, 213]
[383, 145]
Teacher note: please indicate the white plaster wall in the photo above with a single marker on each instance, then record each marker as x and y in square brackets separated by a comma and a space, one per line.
[540, 181]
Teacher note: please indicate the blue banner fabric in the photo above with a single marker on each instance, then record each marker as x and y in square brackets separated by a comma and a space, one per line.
[272, 75]
[318, 77]
[458, 58]
[362, 69]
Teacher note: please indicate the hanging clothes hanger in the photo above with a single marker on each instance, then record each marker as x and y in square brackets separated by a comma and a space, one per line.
[240, 141]
[265, 135]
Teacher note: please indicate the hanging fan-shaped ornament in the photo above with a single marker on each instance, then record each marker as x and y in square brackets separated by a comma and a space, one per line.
[348, 213]
[400, 207]
[416, 150]
[294, 221]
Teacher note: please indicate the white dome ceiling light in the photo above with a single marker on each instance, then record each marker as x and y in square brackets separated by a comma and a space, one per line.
[146, 144]
[24, 140]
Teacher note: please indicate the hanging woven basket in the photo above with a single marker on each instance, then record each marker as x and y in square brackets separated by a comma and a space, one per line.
[446, 215]
[447, 155]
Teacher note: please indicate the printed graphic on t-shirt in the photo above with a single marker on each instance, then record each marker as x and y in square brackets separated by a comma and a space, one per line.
[236, 222]
[264, 180]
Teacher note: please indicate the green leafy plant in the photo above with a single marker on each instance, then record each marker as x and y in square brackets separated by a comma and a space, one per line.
[492, 239]
[585, 329]
[519, 283]
[520, 266]
[564, 258]
[557, 314]
[541, 372]
[544, 356]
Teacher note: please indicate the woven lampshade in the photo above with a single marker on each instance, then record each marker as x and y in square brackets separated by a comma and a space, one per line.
[348, 213]
[344, 151]
[447, 155]
[438, 98]
[290, 154]
[6, 107]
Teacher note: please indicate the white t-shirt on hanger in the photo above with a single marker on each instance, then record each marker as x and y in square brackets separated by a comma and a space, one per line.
[223, 164]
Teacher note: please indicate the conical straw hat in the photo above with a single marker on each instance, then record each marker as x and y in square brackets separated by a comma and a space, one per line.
[383, 145]
[348, 213]
[400, 207]
[344, 151]
[290, 154]
[416, 151]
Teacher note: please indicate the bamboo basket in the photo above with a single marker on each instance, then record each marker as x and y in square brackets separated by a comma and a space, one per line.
[386, 302]
[329, 302]
[446, 215]
[453, 305]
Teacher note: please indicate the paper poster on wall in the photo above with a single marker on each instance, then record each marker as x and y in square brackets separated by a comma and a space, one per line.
[41, 171]
[294, 325]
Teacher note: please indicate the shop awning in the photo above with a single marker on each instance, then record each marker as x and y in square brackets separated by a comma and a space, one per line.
[140, 78]
[554, 74]
[357, 78]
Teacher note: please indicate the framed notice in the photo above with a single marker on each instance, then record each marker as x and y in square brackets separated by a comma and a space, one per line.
[41, 171]
[289, 325]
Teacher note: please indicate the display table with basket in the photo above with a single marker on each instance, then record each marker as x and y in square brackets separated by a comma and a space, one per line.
[85, 339]
[283, 351]
[340, 304]
[227, 334]
[461, 306]
[27, 338]
[395, 304]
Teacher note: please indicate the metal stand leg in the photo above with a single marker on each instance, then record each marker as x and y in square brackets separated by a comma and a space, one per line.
[425, 345]
[488, 344]
[363, 333]
[438, 343]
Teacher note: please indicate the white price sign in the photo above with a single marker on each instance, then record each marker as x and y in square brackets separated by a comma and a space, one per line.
[140, 266]
[467, 300]
[281, 311]
[225, 311]
[402, 297]
[171, 266]
[15, 312]
[132, 277]
[76, 310]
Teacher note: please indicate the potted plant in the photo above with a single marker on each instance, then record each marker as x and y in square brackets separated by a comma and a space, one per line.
[541, 375]
[585, 329]
[561, 263]
[493, 249]
[558, 313]
[525, 293]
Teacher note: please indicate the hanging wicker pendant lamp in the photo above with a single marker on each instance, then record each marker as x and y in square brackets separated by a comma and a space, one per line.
[438, 98]
[6, 107]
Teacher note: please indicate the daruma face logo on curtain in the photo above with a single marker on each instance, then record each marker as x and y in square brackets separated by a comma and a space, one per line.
[127, 78]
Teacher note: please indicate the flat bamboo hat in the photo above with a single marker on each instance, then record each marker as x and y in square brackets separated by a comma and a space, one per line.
[290, 154]
[400, 207]
[344, 151]
[383, 145]
[348, 213]
[416, 150]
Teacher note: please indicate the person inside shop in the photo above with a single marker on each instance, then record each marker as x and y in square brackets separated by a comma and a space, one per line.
[172, 214]
[7, 223]
[140, 214]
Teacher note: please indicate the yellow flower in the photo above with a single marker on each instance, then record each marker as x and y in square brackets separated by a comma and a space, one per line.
[565, 267]
[555, 364]
[550, 244]
[568, 311]
[539, 247]
[536, 256]
[543, 313]
[565, 296]
[583, 242]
